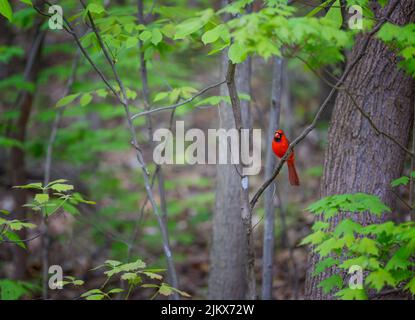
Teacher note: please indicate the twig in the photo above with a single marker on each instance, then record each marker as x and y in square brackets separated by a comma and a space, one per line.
[176, 105]
[22, 240]
[378, 131]
[406, 204]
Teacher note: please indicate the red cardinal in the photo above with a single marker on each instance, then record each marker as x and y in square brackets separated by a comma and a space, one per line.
[280, 146]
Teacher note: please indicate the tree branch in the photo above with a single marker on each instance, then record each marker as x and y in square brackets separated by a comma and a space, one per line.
[178, 104]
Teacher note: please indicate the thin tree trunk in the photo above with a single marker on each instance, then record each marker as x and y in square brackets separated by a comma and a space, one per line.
[17, 154]
[243, 86]
[228, 260]
[269, 220]
[357, 159]
[172, 275]
[46, 179]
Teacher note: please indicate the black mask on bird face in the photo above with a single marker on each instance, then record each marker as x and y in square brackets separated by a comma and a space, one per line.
[277, 136]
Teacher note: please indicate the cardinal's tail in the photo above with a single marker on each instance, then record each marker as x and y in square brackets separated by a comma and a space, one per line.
[292, 174]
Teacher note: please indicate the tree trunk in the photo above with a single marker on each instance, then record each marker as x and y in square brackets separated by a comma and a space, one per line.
[269, 216]
[17, 154]
[357, 159]
[227, 278]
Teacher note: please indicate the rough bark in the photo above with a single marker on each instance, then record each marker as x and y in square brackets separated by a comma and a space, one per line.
[357, 159]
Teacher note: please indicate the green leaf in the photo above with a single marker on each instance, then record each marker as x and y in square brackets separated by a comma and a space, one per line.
[334, 14]
[116, 290]
[152, 275]
[17, 225]
[182, 293]
[366, 246]
[91, 292]
[324, 264]
[42, 198]
[346, 227]
[113, 263]
[328, 246]
[70, 209]
[36, 185]
[78, 282]
[188, 27]
[28, 2]
[320, 225]
[56, 181]
[9, 142]
[411, 286]
[132, 266]
[95, 297]
[12, 236]
[67, 100]
[85, 99]
[377, 229]
[361, 261]
[212, 101]
[400, 181]
[12, 289]
[149, 285]
[317, 9]
[6, 9]
[131, 42]
[156, 36]
[400, 260]
[60, 187]
[314, 238]
[368, 202]
[145, 35]
[379, 278]
[237, 53]
[214, 34]
[328, 284]
[95, 8]
[352, 294]
[165, 290]
[129, 276]
[102, 93]
[161, 96]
